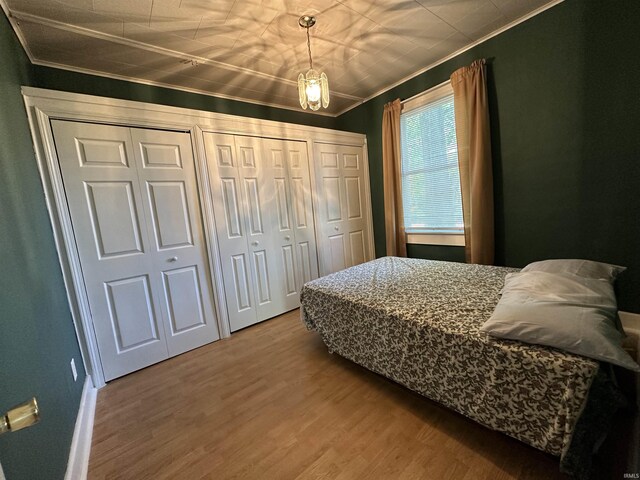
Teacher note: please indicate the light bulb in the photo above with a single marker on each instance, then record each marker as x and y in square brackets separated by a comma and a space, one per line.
[313, 91]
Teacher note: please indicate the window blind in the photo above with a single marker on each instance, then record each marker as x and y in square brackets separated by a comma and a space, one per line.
[430, 177]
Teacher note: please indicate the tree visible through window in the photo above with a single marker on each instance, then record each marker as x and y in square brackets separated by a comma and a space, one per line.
[430, 177]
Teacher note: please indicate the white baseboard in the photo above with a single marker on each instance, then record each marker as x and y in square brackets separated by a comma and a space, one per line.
[78, 464]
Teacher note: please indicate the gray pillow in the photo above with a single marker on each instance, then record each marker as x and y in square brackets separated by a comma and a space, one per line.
[568, 312]
[583, 268]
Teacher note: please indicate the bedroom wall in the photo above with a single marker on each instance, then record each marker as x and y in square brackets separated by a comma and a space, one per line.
[566, 148]
[37, 338]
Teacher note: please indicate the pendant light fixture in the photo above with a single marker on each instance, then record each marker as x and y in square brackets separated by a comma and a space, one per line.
[313, 88]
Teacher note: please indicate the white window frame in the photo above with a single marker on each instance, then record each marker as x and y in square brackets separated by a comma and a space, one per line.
[414, 236]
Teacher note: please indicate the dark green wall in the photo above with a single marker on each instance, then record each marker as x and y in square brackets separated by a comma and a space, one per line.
[564, 101]
[37, 338]
[56, 79]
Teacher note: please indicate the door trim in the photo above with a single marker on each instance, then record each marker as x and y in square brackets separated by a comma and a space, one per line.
[44, 105]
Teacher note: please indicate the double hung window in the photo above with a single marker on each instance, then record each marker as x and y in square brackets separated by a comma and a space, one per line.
[431, 197]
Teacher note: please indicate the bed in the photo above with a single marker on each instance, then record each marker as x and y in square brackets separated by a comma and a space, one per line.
[418, 322]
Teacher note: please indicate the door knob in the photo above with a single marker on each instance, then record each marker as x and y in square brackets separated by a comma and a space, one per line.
[336, 228]
[173, 259]
[22, 416]
[255, 243]
[287, 238]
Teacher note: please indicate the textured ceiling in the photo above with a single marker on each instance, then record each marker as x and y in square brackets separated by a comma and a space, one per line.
[253, 50]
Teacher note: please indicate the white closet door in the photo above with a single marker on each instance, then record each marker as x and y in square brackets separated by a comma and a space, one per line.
[106, 206]
[287, 170]
[343, 226]
[262, 225]
[264, 222]
[112, 222]
[229, 211]
[302, 208]
[166, 172]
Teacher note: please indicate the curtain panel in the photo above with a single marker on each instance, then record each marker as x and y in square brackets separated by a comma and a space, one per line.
[392, 175]
[474, 158]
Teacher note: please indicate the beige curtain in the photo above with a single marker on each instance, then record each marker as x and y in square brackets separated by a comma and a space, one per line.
[474, 156]
[392, 174]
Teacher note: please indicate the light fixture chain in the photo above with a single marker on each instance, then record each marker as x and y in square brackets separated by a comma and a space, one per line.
[309, 48]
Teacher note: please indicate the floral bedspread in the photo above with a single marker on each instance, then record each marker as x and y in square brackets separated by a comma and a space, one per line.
[417, 322]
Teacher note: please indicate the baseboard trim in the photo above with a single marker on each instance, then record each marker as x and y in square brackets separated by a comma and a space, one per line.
[78, 464]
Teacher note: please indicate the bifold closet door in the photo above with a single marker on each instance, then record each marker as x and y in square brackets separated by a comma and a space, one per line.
[264, 230]
[288, 170]
[261, 221]
[231, 231]
[133, 202]
[342, 219]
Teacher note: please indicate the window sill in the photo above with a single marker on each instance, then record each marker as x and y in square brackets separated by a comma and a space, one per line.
[456, 240]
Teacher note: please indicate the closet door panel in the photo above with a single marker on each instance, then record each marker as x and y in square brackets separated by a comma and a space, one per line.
[170, 214]
[261, 177]
[231, 229]
[338, 255]
[241, 283]
[184, 302]
[305, 253]
[342, 220]
[166, 173]
[106, 205]
[275, 176]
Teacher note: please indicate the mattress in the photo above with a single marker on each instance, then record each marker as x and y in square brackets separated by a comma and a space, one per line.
[418, 323]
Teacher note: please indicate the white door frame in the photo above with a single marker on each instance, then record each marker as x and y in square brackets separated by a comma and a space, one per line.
[44, 105]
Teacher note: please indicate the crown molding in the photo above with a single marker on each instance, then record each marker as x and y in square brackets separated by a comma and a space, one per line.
[16, 28]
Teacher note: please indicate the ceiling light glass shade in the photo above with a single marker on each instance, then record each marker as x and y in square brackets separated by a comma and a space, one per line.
[313, 90]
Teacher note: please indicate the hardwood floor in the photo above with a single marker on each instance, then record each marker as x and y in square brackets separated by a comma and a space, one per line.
[272, 403]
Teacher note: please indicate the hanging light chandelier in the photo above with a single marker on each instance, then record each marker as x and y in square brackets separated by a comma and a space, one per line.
[313, 88]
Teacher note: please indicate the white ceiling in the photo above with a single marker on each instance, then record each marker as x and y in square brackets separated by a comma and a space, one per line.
[253, 50]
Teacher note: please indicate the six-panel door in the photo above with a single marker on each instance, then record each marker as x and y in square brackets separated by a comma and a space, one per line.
[287, 172]
[343, 224]
[264, 221]
[134, 208]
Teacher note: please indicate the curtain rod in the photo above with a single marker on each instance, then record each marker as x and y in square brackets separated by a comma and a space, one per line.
[424, 93]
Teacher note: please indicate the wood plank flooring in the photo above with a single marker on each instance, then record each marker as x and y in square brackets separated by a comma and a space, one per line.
[271, 403]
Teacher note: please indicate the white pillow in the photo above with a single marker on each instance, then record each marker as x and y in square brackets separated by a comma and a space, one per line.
[583, 268]
[568, 312]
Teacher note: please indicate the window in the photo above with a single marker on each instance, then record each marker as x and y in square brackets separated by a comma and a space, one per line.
[430, 177]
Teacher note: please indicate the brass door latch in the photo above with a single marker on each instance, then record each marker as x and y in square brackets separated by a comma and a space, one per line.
[19, 417]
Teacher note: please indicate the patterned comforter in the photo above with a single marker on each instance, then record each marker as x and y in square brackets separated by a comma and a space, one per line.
[417, 322]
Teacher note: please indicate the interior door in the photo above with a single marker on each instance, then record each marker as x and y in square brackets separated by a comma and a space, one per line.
[231, 231]
[302, 212]
[258, 178]
[166, 173]
[343, 225]
[129, 214]
[106, 205]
